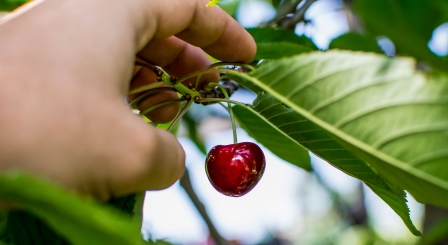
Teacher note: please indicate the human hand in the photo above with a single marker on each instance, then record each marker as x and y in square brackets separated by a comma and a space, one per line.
[65, 69]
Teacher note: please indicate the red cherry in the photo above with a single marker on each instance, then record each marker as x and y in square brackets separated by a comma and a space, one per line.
[235, 169]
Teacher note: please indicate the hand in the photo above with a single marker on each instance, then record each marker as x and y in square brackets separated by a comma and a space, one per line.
[65, 69]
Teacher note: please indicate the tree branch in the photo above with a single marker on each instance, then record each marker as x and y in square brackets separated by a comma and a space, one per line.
[354, 23]
[299, 15]
[186, 184]
[288, 7]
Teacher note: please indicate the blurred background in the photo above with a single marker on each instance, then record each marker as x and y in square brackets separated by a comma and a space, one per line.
[289, 205]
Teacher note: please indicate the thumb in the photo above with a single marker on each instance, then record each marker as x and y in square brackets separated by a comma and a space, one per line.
[153, 160]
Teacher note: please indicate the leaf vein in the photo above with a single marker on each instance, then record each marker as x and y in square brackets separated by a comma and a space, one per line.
[288, 73]
[427, 158]
[366, 111]
[320, 78]
[269, 107]
[319, 140]
[290, 123]
[409, 131]
[307, 131]
[280, 114]
[322, 105]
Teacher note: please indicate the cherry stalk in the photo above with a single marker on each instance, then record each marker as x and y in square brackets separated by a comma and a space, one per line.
[233, 170]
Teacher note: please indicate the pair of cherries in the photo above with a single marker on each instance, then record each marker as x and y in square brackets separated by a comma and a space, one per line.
[235, 169]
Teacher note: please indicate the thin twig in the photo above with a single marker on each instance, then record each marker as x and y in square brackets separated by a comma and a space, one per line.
[160, 105]
[146, 88]
[185, 182]
[354, 23]
[299, 15]
[198, 73]
[149, 93]
[246, 66]
[232, 117]
[180, 115]
[287, 7]
[146, 65]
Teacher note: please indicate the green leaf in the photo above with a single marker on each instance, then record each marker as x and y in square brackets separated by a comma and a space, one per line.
[270, 35]
[408, 23]
[24, 228]
[165, 126]
[3, 219]
[436, 234]
[158, 242]
[212, 3]
[243, 82]
[277, 50]
[124, 204]
[276, 3]
[381, 108]
[445, 58]
[302, 131]
[137, 211]
[8, 5]
[271, 137]
[193, 133]
[229, 6]
[276, 43]
[80, 221]
[356, 42]
[273, 44]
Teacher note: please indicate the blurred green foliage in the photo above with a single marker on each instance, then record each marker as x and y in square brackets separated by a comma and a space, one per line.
[408, 23]
[54, 214]
[78, 220]
[274, 35]
[8, 5]
[356, 42]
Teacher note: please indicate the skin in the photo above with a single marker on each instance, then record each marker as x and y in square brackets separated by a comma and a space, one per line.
[66, 67]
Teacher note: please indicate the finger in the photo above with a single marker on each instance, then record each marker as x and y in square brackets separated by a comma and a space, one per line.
[209, 28]
[154, 160]
[178, 58]
[175, 57]
[162, 114]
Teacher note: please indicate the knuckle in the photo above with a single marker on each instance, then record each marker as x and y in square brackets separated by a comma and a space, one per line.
[160, 161]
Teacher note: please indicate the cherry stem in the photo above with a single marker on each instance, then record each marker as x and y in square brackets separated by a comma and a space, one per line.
[210, 70]
[181, 114]
[179, 87]
[146, 65]
[246, 66]
[184, 90]
[222, 100]
[149, 93]
[247, 106]
[146, 88]
[249, 67]
[160, 105]
[232, 117]
[200, 73]
[196, 83]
